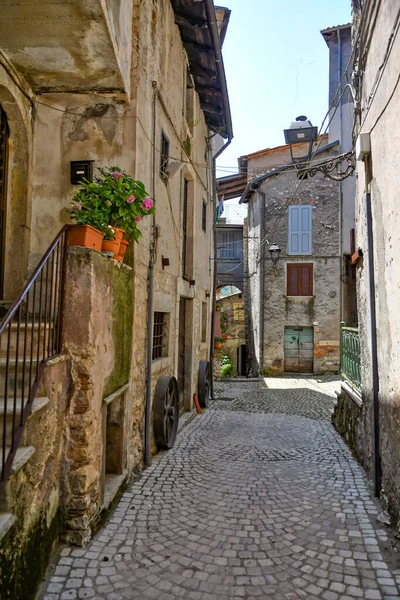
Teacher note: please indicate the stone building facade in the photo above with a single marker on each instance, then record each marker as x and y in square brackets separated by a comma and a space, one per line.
[235, 346]
[293, 320]
[370, 421]
[117, 84]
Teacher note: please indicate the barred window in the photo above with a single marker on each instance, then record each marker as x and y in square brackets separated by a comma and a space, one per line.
[164, 156]
[159, 335]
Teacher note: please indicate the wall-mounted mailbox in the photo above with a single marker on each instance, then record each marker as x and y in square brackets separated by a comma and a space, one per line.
[81, 169]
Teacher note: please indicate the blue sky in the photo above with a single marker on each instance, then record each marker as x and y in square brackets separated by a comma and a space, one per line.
[276, 64]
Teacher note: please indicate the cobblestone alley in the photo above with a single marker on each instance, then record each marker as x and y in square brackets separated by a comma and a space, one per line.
[260, 498]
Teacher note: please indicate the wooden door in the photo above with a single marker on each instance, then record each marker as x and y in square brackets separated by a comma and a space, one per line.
[299, 349]
[181, 354]
[4, 135]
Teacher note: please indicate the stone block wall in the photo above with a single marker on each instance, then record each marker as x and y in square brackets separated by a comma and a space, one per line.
[98, 320]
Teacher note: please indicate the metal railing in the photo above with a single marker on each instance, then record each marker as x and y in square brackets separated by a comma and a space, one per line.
[350, 356]
[30, 334]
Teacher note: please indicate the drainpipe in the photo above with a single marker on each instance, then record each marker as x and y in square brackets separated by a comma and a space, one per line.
[214, 290]
[374, 352]
[262, 282]
[150, 295]
[339, 78]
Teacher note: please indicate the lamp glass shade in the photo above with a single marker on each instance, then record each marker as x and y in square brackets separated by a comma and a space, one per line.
[274, 252]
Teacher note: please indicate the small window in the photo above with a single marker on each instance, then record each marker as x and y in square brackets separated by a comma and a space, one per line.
[300, 279]
[204, 217]
[204, 321]
[189, 108]
[160, 335]
[238, 312]
[184, 228]
[164, 156]
[300, 230]
[228, 249]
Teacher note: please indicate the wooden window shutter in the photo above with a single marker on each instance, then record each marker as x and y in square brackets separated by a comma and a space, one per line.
[300, 280]
[306, 280]
[300, 230]
[292, 280]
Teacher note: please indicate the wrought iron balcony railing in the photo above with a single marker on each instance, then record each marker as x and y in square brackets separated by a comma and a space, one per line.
[350, 356]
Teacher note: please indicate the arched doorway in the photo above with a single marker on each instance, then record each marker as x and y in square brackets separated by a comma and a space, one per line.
[15, 194]
[4, 142]
[241, 360]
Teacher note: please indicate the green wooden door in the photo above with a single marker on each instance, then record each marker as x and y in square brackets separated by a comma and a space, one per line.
[299, 349]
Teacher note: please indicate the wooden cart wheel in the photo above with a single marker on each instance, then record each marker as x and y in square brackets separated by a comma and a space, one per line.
[166, 412]
[203, 383]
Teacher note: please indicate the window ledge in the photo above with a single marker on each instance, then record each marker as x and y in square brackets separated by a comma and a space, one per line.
[300, 297]
[354, 394]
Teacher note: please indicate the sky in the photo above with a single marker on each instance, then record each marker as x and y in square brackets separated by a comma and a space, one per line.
[276, 65]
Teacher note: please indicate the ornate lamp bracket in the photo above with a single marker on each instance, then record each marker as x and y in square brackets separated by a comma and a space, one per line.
[337, 168]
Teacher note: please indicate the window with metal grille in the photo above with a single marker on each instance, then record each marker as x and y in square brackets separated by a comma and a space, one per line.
[159, 335]
[184, 227]
[164, 156]
[204, 321]
[204, 217]
[300, 279]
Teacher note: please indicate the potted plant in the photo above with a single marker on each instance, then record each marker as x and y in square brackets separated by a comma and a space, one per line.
[218, 341]
[90, 214]
[112, 204]
[128, 200]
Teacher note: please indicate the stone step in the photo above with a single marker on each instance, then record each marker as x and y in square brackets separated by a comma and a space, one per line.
[38, 404]
[16, 372]
[23, 454]
[32, 330]
[7, 520]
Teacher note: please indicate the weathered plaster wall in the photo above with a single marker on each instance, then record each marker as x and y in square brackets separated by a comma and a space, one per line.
[74, 46]
[253, 307]
[322, 311]
[378, 118]
[162, 59]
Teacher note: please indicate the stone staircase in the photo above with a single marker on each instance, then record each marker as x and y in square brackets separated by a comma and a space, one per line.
[20, 376]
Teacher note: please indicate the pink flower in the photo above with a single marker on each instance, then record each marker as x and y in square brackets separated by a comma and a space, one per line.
[138, 219]
[147, 203]
[78, 206]
[117, 174]
[130, 199]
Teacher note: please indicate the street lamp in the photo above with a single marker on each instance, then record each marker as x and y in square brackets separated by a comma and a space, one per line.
[301, 131]
[274, 252]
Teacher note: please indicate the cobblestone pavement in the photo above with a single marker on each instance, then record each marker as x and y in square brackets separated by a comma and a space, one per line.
[259, 498]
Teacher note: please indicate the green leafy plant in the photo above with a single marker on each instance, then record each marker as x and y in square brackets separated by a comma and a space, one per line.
[113, 199]
[217, 338]
[226, 370]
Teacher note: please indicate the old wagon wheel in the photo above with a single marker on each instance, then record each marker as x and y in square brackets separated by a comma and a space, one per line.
[166, 412]
[203, 383]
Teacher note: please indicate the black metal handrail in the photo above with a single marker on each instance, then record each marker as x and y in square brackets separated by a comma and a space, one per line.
[30, 334]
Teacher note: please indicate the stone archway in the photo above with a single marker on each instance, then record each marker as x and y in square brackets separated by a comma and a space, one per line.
[17, 197]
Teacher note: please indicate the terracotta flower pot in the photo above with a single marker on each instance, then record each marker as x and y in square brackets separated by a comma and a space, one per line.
[217, 345]
[118, 257]
[123, 247]
[110, 246]
[85, 235]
